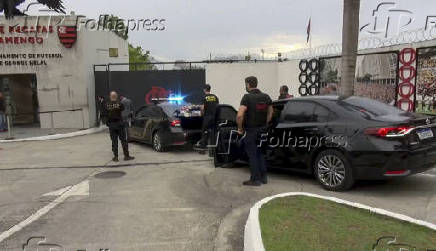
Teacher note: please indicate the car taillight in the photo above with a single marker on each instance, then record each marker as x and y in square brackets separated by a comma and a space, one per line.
[397, 131]
[175, 123]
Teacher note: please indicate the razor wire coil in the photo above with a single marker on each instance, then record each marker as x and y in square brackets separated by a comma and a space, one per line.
[365, 43]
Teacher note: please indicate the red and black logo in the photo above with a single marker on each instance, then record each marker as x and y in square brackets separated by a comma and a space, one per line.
[67, 35]
[261, 106]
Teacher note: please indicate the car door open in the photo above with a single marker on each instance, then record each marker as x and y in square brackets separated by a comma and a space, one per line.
[228, 147]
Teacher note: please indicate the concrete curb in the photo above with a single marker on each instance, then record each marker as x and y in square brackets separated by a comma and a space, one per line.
[59, 136]
[252, 233]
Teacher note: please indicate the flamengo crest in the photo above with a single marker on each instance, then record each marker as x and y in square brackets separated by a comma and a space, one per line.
[67, 35]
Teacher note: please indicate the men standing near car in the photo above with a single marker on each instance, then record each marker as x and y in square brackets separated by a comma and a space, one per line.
[254, 115]
[113, 113]
[284, 92]
[209, 110]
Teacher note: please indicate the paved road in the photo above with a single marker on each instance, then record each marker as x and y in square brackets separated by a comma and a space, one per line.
[164, 201]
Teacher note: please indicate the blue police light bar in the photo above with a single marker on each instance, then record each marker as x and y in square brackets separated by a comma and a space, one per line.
[176, 98]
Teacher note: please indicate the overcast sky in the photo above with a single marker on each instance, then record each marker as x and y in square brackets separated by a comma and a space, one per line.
[195, 28]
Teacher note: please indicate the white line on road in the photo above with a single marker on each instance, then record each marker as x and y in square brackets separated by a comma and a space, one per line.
[79, 189]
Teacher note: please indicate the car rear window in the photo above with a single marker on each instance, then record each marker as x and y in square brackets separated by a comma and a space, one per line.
[170, 109]
[185, 110]
[369, 106]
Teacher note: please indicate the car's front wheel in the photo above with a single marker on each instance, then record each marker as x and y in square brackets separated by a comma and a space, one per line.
[333, 171]
[157, 142]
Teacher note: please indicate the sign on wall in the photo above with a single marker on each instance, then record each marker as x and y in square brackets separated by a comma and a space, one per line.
[426, 81]
[17, 36]
[28, 59]
[376, 76]
[67, 35]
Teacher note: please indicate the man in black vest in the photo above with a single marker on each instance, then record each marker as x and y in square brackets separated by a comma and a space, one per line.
[209, 110]
[254, 115]
[284, 92]
[117, 129]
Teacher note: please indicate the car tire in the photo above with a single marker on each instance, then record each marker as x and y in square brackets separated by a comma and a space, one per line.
[333, 171]
[157, 142]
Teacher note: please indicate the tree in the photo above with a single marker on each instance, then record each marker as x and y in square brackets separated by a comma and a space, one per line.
[139, 61]
[332, 76]
[350, 40]
[115, 24]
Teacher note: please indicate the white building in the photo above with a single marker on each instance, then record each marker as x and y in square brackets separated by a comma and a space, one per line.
[46, 64]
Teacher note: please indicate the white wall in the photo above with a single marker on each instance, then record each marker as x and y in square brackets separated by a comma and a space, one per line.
[97, 52]
[288, 73]
[227, 79]
[66, 83]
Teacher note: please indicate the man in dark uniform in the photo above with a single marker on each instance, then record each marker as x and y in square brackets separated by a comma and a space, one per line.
[113, 110]
[284, 92]
[209, 110]
[254, 115]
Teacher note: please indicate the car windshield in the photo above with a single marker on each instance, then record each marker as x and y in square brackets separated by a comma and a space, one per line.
[369, 106]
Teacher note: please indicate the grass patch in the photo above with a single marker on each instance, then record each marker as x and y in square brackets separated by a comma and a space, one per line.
[306, 223]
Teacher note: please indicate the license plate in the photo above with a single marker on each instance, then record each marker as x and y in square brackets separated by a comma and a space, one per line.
[424, 133]
[196, 113]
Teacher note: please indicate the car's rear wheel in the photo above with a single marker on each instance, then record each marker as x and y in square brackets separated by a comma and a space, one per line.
[157, 142]
[333, 171]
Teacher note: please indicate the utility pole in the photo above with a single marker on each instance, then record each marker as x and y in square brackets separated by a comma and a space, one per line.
[350, 41]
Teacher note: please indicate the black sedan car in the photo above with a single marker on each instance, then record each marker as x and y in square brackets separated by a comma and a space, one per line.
[340, 140]
[165, 125]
